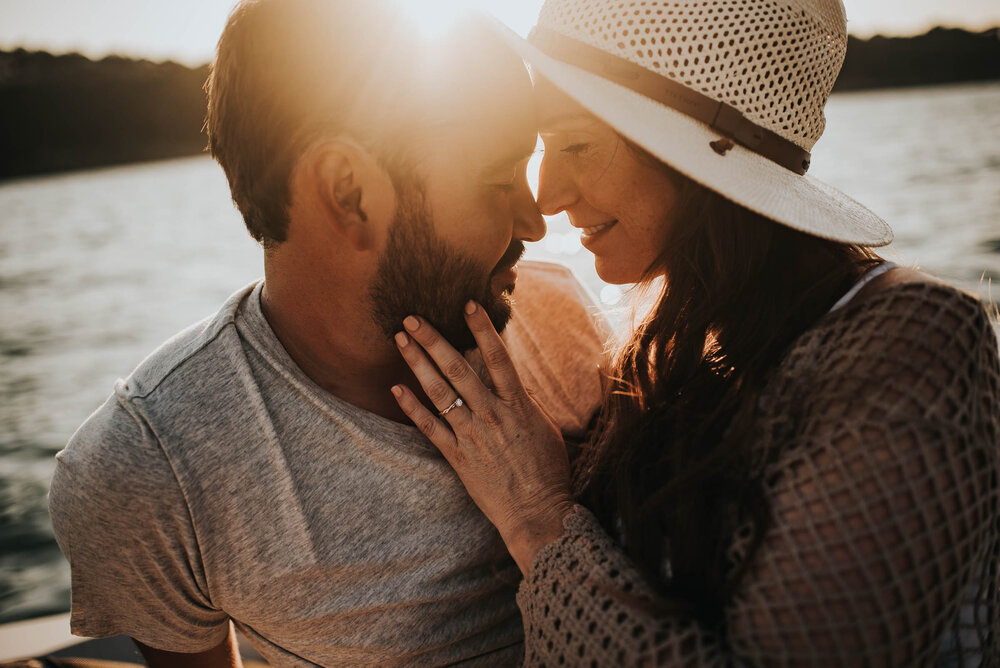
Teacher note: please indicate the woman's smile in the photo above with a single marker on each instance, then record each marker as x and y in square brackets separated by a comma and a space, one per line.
[591, 237]
[591, 231]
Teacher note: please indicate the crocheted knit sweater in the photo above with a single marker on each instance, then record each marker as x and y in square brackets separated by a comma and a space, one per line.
[883, 428]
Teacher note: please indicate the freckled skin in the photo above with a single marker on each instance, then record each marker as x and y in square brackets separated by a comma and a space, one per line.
[589, 172]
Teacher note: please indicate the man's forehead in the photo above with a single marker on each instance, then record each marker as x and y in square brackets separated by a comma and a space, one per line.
[490, 111]
[482, 146]
[473, 95]
[470, 71]
[470, 98]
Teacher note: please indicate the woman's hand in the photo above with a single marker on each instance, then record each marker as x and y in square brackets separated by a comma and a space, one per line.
[507, 452]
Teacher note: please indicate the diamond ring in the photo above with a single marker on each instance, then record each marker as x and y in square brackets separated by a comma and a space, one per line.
[455, 404]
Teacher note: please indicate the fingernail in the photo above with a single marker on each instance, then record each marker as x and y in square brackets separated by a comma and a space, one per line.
[411, 323]
[402, 339]
[397, 390]
[470, 308]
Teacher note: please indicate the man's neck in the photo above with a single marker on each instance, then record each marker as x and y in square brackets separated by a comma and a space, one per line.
[331, 337]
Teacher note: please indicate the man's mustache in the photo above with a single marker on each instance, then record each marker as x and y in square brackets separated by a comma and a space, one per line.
[510, 257]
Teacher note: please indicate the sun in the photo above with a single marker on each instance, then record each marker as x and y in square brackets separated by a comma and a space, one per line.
[435, 17]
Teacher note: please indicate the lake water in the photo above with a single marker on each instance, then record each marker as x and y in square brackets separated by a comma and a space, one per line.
[97, 268]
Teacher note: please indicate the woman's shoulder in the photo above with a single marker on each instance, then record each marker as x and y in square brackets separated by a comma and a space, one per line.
[908, 353]
[906, 306]
[904, 287]
[903, 327]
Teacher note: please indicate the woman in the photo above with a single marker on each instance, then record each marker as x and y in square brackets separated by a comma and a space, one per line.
[797, 455]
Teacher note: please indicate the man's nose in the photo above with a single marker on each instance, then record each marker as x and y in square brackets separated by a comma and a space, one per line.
[528, 222]
[555, 189]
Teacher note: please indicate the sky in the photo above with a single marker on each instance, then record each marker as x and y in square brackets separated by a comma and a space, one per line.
[186, 30]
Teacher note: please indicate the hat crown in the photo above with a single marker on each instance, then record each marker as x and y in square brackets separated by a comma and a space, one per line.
[773, 60]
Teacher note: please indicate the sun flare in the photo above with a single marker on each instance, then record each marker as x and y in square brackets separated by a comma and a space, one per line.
[435, 17]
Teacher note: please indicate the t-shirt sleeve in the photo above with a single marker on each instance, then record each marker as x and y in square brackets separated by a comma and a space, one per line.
[121, 520]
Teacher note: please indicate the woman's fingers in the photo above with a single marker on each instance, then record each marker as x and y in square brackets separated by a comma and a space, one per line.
[437, 389]
[505, 379]
[457, 372]
[429, 424]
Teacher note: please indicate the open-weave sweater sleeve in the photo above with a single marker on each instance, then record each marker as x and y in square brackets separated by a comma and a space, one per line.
[881, 430]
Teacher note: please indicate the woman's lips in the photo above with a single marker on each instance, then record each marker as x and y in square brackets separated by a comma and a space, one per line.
[596, 229]
[590, 235]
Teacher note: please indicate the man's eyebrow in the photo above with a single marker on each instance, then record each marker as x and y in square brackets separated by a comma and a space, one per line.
[511, 158]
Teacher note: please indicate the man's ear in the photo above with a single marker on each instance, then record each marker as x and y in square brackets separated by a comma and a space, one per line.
[338, 175]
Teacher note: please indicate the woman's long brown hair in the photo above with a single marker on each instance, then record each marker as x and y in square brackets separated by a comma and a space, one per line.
[673, 477]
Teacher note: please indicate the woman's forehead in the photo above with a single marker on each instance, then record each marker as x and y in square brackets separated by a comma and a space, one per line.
[557, 111]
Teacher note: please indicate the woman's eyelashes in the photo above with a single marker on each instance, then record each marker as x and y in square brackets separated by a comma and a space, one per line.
[555, 143]
[576, 149]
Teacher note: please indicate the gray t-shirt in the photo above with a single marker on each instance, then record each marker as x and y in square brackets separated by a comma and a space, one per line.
[219, 482]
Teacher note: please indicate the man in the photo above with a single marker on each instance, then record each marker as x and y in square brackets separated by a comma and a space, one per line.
[256, 468]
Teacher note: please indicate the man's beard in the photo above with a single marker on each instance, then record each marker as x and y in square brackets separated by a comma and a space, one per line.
[419, 274]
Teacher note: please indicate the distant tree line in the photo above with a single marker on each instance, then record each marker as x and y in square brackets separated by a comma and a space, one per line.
[68, 112]
[943, 55]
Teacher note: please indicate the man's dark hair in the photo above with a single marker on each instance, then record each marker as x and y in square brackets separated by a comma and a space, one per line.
[287, 71]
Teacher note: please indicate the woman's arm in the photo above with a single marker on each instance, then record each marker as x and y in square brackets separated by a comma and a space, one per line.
[884, 510]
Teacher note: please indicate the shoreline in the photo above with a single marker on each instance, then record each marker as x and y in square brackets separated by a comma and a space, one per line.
[75, 113]
[203, 152]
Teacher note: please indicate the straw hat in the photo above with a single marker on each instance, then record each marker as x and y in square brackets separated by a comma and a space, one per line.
[728, 92]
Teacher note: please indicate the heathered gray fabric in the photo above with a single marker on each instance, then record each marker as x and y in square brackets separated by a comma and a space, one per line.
[219, 482]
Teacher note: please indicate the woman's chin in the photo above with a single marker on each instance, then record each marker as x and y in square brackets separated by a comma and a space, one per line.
[616, 273]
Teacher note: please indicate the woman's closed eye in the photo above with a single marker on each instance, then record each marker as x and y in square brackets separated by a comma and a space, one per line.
[576, 149]
[505, 188]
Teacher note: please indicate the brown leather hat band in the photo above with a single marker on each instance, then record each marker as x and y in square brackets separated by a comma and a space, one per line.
[721, 117]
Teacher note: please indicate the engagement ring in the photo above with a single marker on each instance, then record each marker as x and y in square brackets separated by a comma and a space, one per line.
[455, 404]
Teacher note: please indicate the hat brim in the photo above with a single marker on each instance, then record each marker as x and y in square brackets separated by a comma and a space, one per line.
[801, 202]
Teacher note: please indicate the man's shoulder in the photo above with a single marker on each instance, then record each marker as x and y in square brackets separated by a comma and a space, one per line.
[123, 419]
[544, 268]
[196, 342]
[543, 280]
[128, 427]
[557, 339]
[551, 302]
